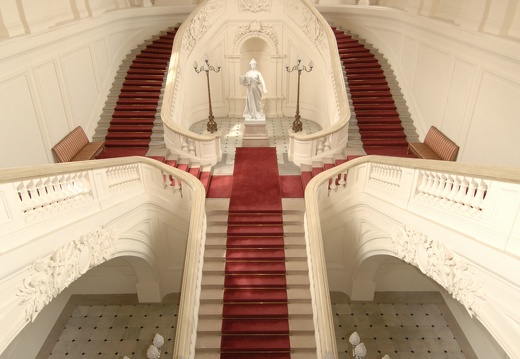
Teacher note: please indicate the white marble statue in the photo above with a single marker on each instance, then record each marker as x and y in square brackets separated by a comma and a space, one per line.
[253, 80]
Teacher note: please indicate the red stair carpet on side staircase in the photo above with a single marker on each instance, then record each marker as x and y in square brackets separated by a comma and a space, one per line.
[136, 108]
[255, 314]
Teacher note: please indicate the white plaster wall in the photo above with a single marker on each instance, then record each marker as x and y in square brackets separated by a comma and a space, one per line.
[464, 82]
[59, 78]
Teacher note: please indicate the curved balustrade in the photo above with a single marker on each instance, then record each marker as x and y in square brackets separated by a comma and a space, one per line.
[462, 230]
[43, 208]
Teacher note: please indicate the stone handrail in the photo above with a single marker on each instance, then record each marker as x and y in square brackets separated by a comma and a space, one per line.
[39, 201]
[305, 148]
[478, 205]
[206, 148]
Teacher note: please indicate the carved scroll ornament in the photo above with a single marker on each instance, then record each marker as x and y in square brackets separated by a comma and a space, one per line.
[438, 262]
[256, 27]
[255, 5]
[49, 276]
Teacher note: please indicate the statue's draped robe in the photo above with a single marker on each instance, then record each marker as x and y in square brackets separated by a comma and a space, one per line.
[253, 107]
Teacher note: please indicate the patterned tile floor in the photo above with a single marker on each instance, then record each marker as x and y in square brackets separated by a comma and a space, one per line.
[232, 130]
[402, 325]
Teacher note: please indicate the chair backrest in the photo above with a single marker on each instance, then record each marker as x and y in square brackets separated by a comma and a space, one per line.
[70, 145]
[441, 144]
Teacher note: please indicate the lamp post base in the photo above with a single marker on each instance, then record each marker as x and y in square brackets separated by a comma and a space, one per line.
[212, 125]
[297, 124]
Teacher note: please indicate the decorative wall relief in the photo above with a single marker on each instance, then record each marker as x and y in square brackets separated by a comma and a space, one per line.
[256, 27]
[255, 5]
[49, 276]
[307, 21]
[439, 263]
[200, 23]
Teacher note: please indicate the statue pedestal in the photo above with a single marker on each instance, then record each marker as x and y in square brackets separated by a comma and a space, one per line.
[255, 133]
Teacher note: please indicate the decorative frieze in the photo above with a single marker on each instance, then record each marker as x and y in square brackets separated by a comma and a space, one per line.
[50, 275]
[200, 23]
[256, 27]
[255, 5]
[438, 262]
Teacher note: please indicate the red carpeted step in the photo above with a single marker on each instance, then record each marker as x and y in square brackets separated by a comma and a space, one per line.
[328, 166]
[251, 281]
[150, 83]
[146, 71]
[140, 89]
[255, 242]
[380, 127]
[172, 163]
[255, 295]
[145, 60]
[144, 76]
[361, 65]
[136, 107]
[354, 84]
[127, 143]
[316, 170]
[255, 267]
[194, 171]
[268, 343]
[364, 61]
[115, 152]
[365, 70]
[255, 310]
[255, 326]
[140, 65]
[356, 87]
[134, 114]
[255, 356]
[306, 177]
[378, 120]
[183, 167]
[374, 106]
[259, 230]
[359, 93]
[382, 134]
[385, 142]
[140, 94]
[258, 254]
[396, 151]
[155, 55]
[265, 218]
[376, 112]
[130, 128]
[128, 135]
[132, 121]
[137, 100]
[205, 179]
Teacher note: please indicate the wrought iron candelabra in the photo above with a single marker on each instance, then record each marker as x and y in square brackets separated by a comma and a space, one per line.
[297, 123]
[212, 125]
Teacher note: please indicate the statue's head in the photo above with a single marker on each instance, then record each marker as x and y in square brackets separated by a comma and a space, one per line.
[252, 63]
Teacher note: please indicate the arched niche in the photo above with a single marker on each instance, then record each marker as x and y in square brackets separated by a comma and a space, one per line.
[263, 49]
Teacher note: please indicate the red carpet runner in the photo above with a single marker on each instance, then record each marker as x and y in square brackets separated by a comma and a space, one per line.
[378, 120]
[255, 313]
[134, 115]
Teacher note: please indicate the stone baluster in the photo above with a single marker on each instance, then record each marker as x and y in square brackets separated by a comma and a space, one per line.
[462, 192]
[470, 194]
[319, 148]
[478, 200]
[191, 148]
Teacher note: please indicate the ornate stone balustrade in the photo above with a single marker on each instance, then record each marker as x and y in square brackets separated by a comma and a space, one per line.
[458, 224]
[55, 227]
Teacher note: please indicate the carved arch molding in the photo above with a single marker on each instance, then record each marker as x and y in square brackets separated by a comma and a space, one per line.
[439, 263]
[50, 275]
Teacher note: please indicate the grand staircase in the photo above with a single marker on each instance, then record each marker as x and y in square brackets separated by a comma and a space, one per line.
[255, 299]
[376, 122]
[131, 117]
